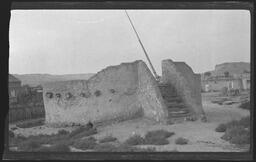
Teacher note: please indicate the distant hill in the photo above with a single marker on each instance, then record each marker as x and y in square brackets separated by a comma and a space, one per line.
[37, 79]
[231, 67]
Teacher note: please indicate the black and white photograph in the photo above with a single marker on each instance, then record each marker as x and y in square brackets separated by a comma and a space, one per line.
[129, 80]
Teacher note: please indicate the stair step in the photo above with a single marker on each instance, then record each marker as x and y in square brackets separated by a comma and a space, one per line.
[178, 110]
[178, 115]
[175, 105]
[169, 95]
[172, 99]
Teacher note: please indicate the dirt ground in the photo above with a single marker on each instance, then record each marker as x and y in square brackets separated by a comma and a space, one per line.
[202, 136]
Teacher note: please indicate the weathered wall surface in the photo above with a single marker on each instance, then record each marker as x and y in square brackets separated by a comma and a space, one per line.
[187, 84]
[115, 93]
[149, 95]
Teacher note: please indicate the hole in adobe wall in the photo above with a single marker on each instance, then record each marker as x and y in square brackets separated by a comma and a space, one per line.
[85, 94]
[97, 93]
[112, 91]
[58, 95]
[49, 94]
[82, 94]
[68, 95]
[110, 100]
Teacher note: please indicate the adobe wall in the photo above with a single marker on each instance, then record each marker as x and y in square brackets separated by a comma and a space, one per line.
[150, 96]
[187, 84]
[115, 93]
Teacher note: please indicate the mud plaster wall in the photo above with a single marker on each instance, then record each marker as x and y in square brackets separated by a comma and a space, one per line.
[217, 85]
[149, 95]
[119, 97]
[187, 84]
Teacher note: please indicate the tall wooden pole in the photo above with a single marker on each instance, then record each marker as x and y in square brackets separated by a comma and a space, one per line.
[155, 74]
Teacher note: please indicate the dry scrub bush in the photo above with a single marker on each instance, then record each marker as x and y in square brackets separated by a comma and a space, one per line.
[236, 131]
[237, 135]
[181, 141]
[29, 145]
[107, 147]
[82, 131]
[157, 137]
[107, 139]
[245, 105]
[63, 132]
[97, 93]
[221, 128]
[135, 140]
[11, 134]
[54, 148]
[61, 138]
[30, 124]
[84, 144]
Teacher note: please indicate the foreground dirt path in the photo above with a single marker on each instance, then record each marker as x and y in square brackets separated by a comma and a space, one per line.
[202, 136]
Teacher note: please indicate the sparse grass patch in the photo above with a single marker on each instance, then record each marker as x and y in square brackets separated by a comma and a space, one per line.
[30, 124]
[237, 135]
[158, 137]
[85, 133]
[237, 131]
[29, 145]
[107, 139]
[221, 128]
[63, 137]
[97, 93]
[82, 131]
[181, 141]
[156, 141]
[14, 128]
[54, 148]
[84, 144]
[245, 105]
[105, 147]
[135, 140]
[63, 132]
[129, 148]
[14, 141]
[175, 150]
[159, 133]
[245, 121]
[11, 134]
[25, 143]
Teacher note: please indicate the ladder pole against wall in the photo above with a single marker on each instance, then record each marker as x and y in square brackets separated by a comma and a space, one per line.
[144, 50]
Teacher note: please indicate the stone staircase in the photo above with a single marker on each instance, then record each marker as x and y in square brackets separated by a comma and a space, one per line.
[177, 110]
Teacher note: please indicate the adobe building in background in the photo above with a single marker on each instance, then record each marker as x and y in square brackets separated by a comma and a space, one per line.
[216, 83]
[123, 92]
[14, 88]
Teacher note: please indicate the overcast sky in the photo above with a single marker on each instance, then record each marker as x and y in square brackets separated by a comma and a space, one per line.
[86, 41]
